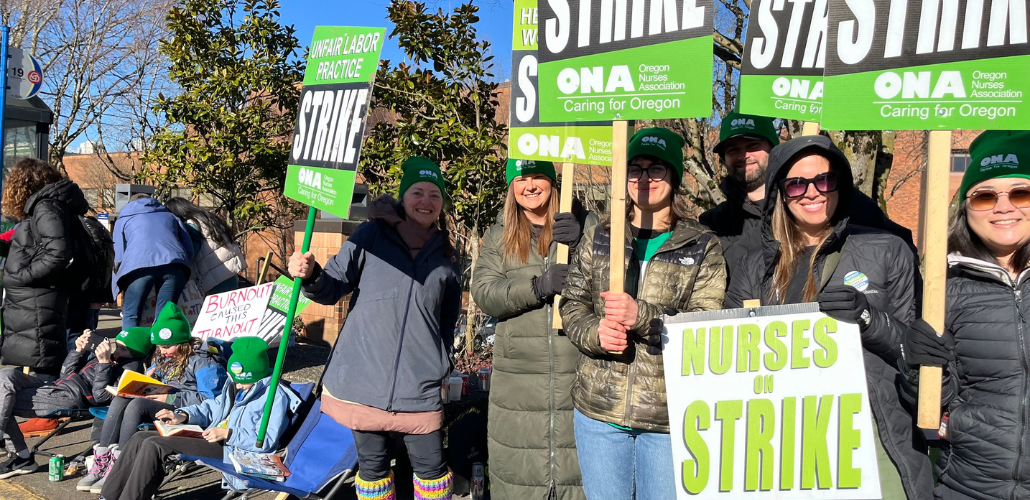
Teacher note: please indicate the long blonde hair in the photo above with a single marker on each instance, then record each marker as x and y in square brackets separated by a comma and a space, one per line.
[175, 366]
[517, 234]
[792, 244]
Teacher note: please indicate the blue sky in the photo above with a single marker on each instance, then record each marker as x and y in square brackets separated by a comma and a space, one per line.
[494, 24]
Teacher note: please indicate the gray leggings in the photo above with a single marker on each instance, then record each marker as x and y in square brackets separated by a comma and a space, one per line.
[124, 417]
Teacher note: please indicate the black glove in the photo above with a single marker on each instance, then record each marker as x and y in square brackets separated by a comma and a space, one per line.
[551, 283]
[566, 229]
[654, 337]
[846, 304]
[924, 347]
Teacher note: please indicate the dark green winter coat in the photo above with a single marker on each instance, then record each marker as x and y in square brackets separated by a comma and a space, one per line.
[531, 442]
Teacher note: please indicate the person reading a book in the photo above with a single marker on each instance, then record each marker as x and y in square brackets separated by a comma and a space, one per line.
[82, 383]
[194, 376]
[229, 422]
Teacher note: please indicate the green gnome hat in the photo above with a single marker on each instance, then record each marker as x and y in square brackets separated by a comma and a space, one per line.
[515, 168]
[137, 340]
[171, 326]
[419, 169]
[249, 360]
[997, 153]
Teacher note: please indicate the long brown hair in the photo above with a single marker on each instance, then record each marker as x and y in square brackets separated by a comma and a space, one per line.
[517, 234]
[175, 366]
[792, 244]
[25, 179]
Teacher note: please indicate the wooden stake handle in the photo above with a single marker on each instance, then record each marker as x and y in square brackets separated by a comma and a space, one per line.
[568, 174]
[810, 128]
[617, 262]
[933, 233]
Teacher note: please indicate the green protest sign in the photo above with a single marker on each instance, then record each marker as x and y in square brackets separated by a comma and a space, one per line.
[589, 143]
[341, 67]
[781, 73]
[927, 65]
[771, 406]
[280, 300]
[603, 60]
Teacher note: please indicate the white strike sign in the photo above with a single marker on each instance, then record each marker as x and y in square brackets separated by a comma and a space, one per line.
[227, 316]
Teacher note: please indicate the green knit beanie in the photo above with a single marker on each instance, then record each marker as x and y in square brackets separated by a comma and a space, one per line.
[249, 360]
[515, 168]
[419, 169]
[994, 154]
[739, 125]
[171, 326]
[137, 340]
[660, 143]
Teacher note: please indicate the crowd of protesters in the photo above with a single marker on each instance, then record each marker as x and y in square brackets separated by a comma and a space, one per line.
[577, 411]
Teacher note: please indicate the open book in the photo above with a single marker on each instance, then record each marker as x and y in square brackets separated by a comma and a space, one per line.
[135, 385]
[264, 465]
[180, 430]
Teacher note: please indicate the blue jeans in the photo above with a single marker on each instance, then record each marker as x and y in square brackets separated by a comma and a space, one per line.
[623, 465]
[169, 280]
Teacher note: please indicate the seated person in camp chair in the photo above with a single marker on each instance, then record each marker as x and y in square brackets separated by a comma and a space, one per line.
[230, 421]
[82, 385]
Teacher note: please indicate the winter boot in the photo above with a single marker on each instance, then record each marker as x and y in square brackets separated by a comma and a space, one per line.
[433, 489]
[375, 490]
[101, 461]
[99, 485]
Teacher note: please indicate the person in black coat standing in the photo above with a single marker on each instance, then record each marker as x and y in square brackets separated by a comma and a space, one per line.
[36, 300]
[985, 350]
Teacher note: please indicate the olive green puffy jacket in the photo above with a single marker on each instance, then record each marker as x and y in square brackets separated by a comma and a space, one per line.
[531, 443]
[686, 274]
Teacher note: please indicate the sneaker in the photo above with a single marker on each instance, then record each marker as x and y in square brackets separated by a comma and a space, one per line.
[17, 466]
[96, 472]
[36, 427]
[97, 486]
[112, 457]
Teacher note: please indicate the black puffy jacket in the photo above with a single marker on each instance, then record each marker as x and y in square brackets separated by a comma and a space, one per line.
[36, 300]
[738, 221]
[986, 390]
[893, 293]
[84, 380]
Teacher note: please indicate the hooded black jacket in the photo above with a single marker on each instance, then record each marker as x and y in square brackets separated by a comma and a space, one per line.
[36, 302]
[738, 221]
[893, 295]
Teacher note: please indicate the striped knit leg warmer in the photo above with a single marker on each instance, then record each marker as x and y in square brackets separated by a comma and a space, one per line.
[375, 490]
[433, 489]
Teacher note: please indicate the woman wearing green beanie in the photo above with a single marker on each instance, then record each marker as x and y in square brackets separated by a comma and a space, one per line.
[516, 280]
[230, 422]
[387, 366]
[984, 349]
[673, 264]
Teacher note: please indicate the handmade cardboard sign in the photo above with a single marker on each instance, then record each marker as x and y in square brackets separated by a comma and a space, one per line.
[625, 60]
[771, 406]
[958, 64]
[781, 72]
[589, 143]
[341, 67]
[230, 315]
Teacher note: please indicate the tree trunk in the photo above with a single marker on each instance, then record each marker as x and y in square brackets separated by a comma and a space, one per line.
[470, 313]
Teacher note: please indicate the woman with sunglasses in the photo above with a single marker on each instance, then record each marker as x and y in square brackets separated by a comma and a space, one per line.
[857, 274]
[984, 349]
[673, 264]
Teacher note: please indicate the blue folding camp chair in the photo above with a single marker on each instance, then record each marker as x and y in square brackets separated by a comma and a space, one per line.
[308, 458]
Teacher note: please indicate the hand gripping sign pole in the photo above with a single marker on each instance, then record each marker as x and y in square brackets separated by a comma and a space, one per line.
[933, 231]
[334, 100]
[617, 263]
[568, 174]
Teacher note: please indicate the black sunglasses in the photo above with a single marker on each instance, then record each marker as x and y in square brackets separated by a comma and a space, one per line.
[796, 187]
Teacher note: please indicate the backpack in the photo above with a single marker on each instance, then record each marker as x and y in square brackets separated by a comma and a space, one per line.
[93, 260]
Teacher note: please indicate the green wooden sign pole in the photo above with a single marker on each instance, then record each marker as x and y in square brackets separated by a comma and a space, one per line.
[285, 340]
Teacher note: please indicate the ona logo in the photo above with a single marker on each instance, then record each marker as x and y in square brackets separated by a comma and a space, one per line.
[236, 368]
[743, 122]
[1010, 159]
[427, 173]
[165, 333]
[122, 336]
[310, 178]
[521, 164]
[653, 141]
